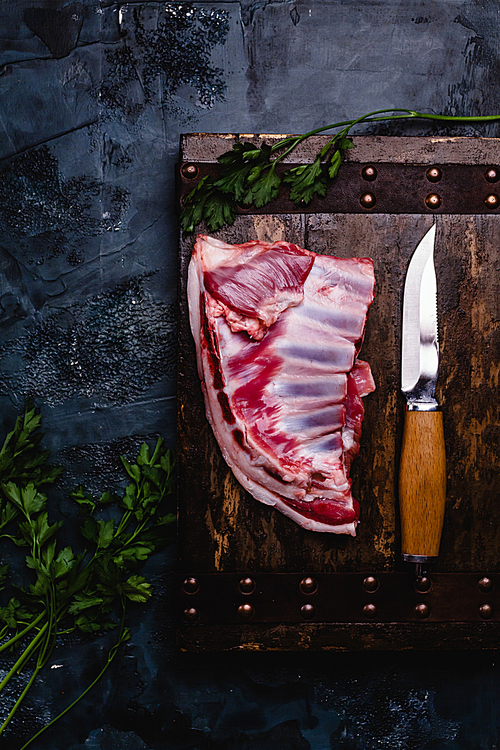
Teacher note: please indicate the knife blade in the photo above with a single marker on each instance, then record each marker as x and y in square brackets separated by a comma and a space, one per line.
[422, 472]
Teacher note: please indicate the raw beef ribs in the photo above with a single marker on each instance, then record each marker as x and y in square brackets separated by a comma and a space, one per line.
[277, 331]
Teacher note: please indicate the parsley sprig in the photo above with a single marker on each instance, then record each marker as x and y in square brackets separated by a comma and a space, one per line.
[66, 590]
[248, 174]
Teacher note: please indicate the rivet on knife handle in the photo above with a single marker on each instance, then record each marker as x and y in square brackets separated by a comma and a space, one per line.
[422, 485]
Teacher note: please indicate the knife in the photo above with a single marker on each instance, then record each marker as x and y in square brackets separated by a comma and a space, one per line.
[422, 474]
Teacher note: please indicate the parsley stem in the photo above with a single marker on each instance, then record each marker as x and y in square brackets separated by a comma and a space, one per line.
[123, 524]
[20, 699]
[408, 114]
[22, 633]
[136, 533]
[69, 591]
[21, 661]
[49, 640]
[122, 636]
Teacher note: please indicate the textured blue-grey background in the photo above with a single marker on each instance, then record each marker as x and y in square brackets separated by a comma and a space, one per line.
[93, 98]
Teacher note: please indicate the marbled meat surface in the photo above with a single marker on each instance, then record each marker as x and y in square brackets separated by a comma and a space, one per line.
[277, 331]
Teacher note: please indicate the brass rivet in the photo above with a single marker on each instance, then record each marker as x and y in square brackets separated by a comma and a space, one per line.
[422, 611]
[245, 611]
[433, 200]
[190, 585]
[191, 614]
[369, 173]
[433, 174]
[308, 585]
[486, 611]
[368, 200]
[370, 611]
[492, 174]
[485, 584]
[491, 200]
[307, 611]
[189, 171]
[246, 585]
[423, 584]
[370, 584]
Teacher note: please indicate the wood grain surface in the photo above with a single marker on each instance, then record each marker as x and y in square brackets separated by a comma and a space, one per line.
[222, 528]
[422, 483]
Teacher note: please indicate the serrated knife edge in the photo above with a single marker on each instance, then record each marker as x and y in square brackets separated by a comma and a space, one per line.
[420, 359]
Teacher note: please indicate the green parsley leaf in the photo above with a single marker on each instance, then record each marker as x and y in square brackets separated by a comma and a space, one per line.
[240, 154]
[144, 456]
[234, 181]
[86, 502]
[107, 498]
[43, 530]
[305, 181]
[193, 205]
[63, 563]
[157, 452]
[106, 533]
[130, 555]
[90, 529]
[48, 552]
[207, 202]
[84, 601]
[14, 613]
[264, 187]
[7, 514]
[137, 589]
[334, 165]
[93, 623]
[129, 499]
[345, 143]
[219, 210]
[132, 469]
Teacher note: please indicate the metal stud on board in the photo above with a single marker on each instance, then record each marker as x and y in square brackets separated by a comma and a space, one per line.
[433, 174]
[190, 585]
[433, 200]
[308, 585]
[369, 173]
[370, 584]
[368, 200]
[246, 611]
[191, 614]
[485, 584]
[247, 585]
[423, 584]
[492, 200]
[308, 611]
[492, 174]
[370, 611]
[422, 611]
[189, 171]
[486, 611]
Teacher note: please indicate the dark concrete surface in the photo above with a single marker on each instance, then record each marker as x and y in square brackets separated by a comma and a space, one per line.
[93, 98]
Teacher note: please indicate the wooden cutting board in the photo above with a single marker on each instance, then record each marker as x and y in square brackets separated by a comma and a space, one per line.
[225, 535]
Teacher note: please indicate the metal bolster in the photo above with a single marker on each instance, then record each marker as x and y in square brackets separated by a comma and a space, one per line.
[421, 396]
[422, 406]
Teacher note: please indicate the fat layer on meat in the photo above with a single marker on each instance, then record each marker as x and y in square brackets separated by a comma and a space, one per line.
[277, 331]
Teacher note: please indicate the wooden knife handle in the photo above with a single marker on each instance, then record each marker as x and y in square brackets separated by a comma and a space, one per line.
[422, 483]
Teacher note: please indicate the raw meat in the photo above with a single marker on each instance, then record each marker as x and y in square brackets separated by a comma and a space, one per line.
[277, 332]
